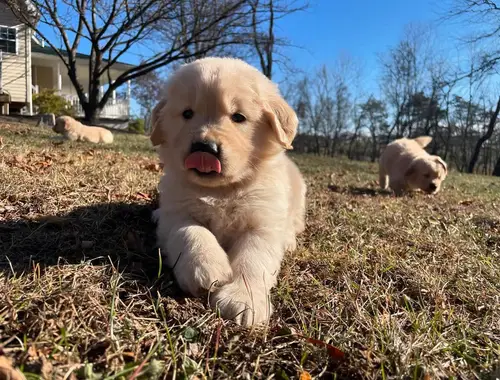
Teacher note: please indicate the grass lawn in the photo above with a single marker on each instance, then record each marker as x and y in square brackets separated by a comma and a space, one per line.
[379, 288]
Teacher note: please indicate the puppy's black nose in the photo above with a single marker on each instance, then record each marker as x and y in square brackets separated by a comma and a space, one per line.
[432, 186]
[205, 146]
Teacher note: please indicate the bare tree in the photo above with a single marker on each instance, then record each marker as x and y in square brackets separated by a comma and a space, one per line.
[485, 137]
[403, 70]
[187, 29]
[147, 90]
[262, 37]
[373, 111]
[485, 16]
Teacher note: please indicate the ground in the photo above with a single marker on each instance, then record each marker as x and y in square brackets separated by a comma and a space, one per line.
[379, 287]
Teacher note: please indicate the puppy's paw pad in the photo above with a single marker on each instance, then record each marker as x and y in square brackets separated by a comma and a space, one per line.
[234, 301]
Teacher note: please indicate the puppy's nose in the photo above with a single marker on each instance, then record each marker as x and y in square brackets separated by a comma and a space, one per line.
[432, 186]
[205, 146]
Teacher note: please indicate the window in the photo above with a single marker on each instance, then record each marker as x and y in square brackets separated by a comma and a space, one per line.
[8, 40]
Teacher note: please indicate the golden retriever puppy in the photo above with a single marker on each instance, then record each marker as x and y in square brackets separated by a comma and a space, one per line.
[231, 201]
[409, 167]
[73, 130]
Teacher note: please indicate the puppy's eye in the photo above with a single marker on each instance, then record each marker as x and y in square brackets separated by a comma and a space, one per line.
[427, 175]
[188, 114]
[238, 118]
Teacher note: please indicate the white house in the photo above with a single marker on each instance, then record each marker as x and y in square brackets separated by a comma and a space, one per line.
[27, 66]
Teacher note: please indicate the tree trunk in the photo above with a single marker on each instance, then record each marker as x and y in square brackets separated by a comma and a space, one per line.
[484, 138]
[496, 170]
[92, 112]
[374, 148]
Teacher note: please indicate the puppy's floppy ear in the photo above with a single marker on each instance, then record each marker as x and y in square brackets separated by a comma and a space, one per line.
[283, 120]
[440, 161]
[157, 135]
[411, 169]
[423, 141]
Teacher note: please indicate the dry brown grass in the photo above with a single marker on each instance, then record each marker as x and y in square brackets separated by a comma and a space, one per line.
[406, 288]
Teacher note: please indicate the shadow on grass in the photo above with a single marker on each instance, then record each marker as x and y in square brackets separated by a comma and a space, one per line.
[360, 191]
[120, 233]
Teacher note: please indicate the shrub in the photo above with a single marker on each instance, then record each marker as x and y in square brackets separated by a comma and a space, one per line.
[136, 126]
[47, 101]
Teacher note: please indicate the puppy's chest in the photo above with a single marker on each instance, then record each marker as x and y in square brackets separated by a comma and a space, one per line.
[222, 216]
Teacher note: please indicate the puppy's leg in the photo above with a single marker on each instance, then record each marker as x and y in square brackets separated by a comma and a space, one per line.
[255, 258]
[197, 259]
[382, 178]
[299, 220]
[398, 185]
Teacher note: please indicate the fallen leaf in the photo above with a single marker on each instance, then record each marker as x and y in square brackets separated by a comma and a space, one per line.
[305, 376]
[143, 196]
[193, 350]
[333, 351]
[154, 167]
[8, 372]
[466, 202]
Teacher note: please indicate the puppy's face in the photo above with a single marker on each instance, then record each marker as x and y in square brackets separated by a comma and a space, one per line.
[60, 126]
[427, 174]
[219, 119]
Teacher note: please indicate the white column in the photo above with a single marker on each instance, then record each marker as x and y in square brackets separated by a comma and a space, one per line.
[29, 73]
[128, 90]
[101, 92]
[113, 94]
[59, 78]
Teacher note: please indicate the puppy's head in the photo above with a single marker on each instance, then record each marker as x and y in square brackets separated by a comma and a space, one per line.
[61, 125]
[219, 119]
[427, 173]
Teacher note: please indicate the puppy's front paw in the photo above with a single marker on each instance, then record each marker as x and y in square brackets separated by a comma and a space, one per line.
[246, 306]
[291, 243]
[196, 275]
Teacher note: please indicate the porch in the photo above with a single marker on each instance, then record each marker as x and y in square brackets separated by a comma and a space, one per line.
[49, 73]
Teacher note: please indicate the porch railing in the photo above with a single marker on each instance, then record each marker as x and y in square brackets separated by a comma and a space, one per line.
[119, 108]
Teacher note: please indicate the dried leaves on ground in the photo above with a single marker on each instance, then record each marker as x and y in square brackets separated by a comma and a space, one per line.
[379, 287]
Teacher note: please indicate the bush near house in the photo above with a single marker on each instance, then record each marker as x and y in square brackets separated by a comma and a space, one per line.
[136, 126]
[47, 101]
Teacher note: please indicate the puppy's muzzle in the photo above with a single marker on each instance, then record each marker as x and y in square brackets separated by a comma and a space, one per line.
[204, 158]
[206, 146]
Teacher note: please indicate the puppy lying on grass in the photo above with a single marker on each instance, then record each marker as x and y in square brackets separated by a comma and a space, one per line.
[231, 201]
[406, 166]
[73, 130]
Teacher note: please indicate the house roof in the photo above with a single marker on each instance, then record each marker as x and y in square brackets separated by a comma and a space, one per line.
[36, 48]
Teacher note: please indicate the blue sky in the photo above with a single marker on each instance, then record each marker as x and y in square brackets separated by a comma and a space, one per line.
[358, 28]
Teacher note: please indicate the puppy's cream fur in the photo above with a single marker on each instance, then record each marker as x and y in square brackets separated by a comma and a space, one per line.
[73, 130]
[406, 166]
[228, 233]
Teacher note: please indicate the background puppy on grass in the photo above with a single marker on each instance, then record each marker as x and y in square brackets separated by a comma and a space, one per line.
[231, 201]
[410, 167]
[73, 130]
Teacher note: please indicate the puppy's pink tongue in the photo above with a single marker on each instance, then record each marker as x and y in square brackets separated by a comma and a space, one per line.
[203, 162]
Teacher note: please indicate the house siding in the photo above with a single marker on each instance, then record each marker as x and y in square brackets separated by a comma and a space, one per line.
[16, 68]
